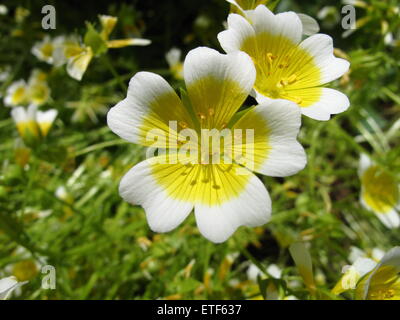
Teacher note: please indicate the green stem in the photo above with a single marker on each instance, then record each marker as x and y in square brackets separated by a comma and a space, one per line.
[101, 145]
[110, 67]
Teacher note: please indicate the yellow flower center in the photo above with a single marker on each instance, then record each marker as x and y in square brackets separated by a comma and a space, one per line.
[284, 70]
[19, 96]
[47, 50]
[380, 190]
[25, 270]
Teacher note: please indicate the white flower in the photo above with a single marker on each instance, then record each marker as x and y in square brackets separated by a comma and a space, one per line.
[379, 192]
[223, 196]
[4, 73]
[38, 89]
[173, 58]
[383, 282]
[31, 122]
[352, 274]
[274, 271]
[253, 272]
[288, 68]
[3, 10]
[45, 120]
[8, 285]
[16, 94]
[44, 49]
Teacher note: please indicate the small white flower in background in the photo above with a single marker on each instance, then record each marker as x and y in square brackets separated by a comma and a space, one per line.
[4, 73]
[78, 63]
[3, 10]
[352, 274]
[16, 94]
[287, 67]
[374, 254]
[71, 51]
[62, 194]
[43, 50]
[38, 89]
[383, 282]
[253, 272]
[379, 192]
[45, 120]
[173, 58]
[31, 122]
[25, 120]
[329, 16]
[108, 23]
[373, 280]
[8, 285]
[274, 271]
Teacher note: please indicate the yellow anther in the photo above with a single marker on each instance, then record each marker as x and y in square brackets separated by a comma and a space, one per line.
[282, 83]
[292, 79]
[183, 124]
[297, 100]
[211, 112]
[270, 57]
[201, 116]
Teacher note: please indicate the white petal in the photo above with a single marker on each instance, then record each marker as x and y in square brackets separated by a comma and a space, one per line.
[364, 163]
[7, 285]
[205, 62]
[390, 219]
[251, 208]
[286, 156]
[77, 65]
[126, 117]
[320, 46]
[392, 258]
[46, 116]
[239, 30]
[218, 81]
[310, 25]
[330, 102]
[163, 213]
[364, 265]
[19, 114]
[173, 56]
[286, 24]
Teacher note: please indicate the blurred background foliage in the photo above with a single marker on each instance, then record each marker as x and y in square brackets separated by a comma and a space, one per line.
[59, 201]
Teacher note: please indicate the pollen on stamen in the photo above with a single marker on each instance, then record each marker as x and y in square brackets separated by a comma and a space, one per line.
[183, 124]
[292, 79]
[297, 100]
[201, 116]
[270, 57]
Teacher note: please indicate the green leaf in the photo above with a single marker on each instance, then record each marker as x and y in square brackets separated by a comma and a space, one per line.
[94, 40]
